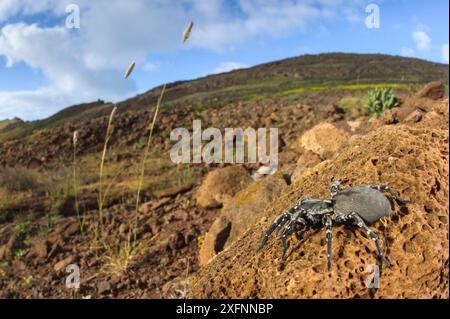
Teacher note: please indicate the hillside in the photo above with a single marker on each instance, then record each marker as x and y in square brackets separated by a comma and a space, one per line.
[304, 73]
[307, 71]
[6, 125]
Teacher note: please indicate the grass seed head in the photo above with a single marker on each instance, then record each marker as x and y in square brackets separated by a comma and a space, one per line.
[130, 70]
[75, 138]
[187, 31]
[111, 117]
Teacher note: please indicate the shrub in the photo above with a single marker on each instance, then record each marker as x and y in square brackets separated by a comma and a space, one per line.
[350, 103]
[379, 100]
[3, 216]
[19, 179]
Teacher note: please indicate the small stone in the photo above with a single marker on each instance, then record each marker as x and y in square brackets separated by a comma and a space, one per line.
[308, 159]
[154, 226]
[4, 252]
[214, 240]
[63, 264]
[324, 139]
[160, 203]
[123, 229]
[219, 182]
[41, 249]
[433, 90]
[7, 249]
[104, 287]
[115, 279]
[354, 125]
[176, 241]
[72, 230]
[414, 117]
[149, 206]
[298, 173]
[181, 215]
[145, 208]
[388, 117]
[174, 191]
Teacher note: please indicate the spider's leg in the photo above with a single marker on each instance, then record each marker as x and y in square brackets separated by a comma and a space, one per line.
[275, 225]
[300, 221]
[393, 192]
[329, 225]
[335, 188]
[357, 221]
[286, 232]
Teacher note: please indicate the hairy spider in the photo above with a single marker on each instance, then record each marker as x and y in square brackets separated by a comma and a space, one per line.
[357, 206]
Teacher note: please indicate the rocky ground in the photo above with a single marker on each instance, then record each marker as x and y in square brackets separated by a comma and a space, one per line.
[197, 237]
[407, 149]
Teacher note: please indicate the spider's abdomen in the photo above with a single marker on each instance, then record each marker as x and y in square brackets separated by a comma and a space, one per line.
[368, 203]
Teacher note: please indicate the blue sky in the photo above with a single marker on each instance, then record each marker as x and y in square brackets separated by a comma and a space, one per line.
[44, 66]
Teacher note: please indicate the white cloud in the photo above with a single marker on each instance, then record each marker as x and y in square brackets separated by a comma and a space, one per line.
[259, 19]
[209, 8]
[155, 24]
[229, 66]
[151, 67]
[88, 63]
[33, 104]
[9, 8]
[53, 51]
[115, 32]
[85, 65]
[354, 15]
[445, 55]
[422, 40]
[408, 52]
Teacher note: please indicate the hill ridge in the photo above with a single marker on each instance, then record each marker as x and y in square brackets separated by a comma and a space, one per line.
[267, 79]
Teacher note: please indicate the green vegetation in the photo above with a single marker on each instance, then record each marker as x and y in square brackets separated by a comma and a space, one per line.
[24, 222]
[21, 228]
[102, 190]
[60, 195]
[146, 154]
[351, 103]
[354, 106]
[20, 179]
[45, 227]
[28, 280]
[71, 114]
[3, 216]
[19, 253]
[81, 218]
[25, 193]
[379, 100]
[6, 124]
[11, 204]
[120, 256]
[353, 87]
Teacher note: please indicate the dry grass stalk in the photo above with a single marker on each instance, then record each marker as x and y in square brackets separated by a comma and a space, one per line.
[81, 219]
[101, 199]
[146, 152]
[119, 259]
